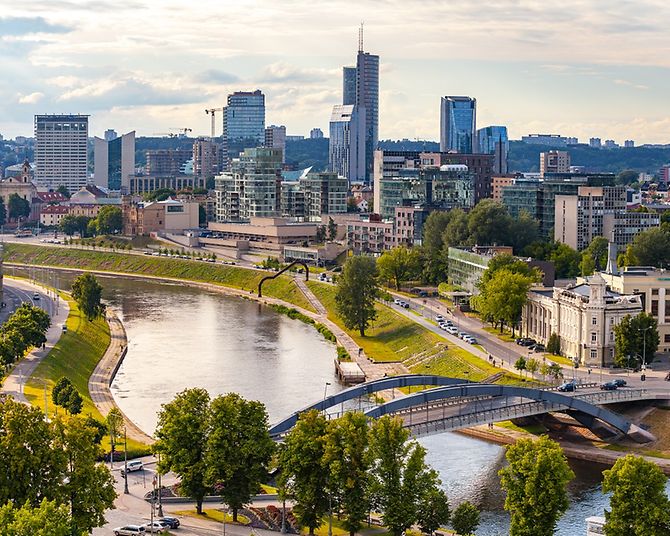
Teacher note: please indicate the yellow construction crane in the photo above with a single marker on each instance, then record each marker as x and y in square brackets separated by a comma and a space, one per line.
[213, 111]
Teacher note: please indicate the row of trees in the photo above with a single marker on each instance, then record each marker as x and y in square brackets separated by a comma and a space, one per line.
[24, 329]
[50, 474]
[108, 221]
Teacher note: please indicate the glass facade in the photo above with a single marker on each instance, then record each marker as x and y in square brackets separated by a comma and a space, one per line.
[349, 85]
[367, 96]
[243, 122]
[114, 164]
[457, 124]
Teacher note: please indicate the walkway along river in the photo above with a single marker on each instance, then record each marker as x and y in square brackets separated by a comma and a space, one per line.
[183, 337]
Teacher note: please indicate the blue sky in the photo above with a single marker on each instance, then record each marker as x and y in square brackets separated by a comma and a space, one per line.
[579, 68]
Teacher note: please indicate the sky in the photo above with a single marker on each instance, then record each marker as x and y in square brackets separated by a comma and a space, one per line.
[585, 68]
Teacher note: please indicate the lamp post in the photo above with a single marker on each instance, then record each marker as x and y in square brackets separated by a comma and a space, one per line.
[644, 351]
[325, 393]
[125, 461]
[160, 487]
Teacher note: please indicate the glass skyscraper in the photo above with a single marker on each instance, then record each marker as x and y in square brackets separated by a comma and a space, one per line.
[349, 75]
[243, 122]
[493, 140]
[367, 97]
[346, 146]
[458, 119]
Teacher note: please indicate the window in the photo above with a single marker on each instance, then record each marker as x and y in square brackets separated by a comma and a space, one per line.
[594, 320]
[666, 338]
[654, 307]
[593, 337]
[594, 354]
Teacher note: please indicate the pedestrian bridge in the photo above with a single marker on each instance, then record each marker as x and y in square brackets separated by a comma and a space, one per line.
[457, 404]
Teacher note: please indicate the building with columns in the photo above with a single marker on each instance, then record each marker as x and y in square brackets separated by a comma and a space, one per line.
[583, 316]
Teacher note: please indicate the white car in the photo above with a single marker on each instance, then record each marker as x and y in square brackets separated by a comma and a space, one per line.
[453, 330]
[439, 318]
[129, 530]
[135, 465]
[158, 527]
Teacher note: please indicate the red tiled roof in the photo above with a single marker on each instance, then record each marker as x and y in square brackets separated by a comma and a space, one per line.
[55, 209]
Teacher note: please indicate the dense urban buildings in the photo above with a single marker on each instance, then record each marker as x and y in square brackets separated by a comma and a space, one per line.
[114, 161]
[554, 162]
[207, 158]
[162, 162]
[243, 123]
[346, 149]
[61, 153]
[169, 216]
[275, 138]
[458, 124]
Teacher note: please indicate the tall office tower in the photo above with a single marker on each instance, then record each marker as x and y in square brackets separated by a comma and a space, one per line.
[346, 151]
[315, 134]
[243, 123]
[167, 162]
[110, 134]
[554, 162]
[367, 100]
[349, 75]
[458, 122]
[114, 161]
[493, 140]
[207, 158]
[61, 156]
[275, 138]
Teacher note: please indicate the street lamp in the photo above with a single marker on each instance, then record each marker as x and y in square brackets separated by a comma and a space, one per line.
[125, 461]
[325, 392]
[644, 350]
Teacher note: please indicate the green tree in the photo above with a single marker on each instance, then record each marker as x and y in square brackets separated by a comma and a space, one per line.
[433, 511]
[594, 257]
[348, 461]
[501, 299]
[627, 176]
[489, 223]
[399, 264]
[457, 232]
[109, 220]
[433, 252]
[3, 212]
[202, 216]
[465, 519]
[114, 421]
[554, 344]
[239, 449]
[88, 487]
[357, 288]
[636, 337]
[182, 433]
[91, 227]
[566, 261]
[400, 476]
[511, 264]
[523, 231]
[520, 364]
[639, 504]
[17, 207]
[62, 189]
[532, 365]
[650, 248]
[303, 476]
[47, 519]
[320, 234]
[332, 229]
[87, 292]
[69, 225]
[535, 482]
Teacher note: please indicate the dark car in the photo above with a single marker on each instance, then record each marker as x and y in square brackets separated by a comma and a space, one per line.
[620, 382]
[539, 348]
[608, 386]
[567, 387]
[171, 522]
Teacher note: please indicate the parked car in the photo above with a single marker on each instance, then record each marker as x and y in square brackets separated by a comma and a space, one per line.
[172, 522]
[397, 301]
[526, 342]
[448, 322]
[404, 305]
[129, 530]
[453, 330]
[620, 382]
[539, 348]
[439, 318]
[472, 340]
[567, 387]
[157, 527]
[135, 465]
[608, 386]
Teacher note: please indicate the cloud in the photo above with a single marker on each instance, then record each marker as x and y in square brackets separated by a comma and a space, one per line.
[15, 26]
[622, 82]
[285, 72]
[216, 76]
[32, 98]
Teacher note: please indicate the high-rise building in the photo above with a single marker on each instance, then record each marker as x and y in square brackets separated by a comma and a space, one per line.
[346, 151]
[167, 162]
[61, 155]
[629, 144]
[367, 100]
[458, 121]
[207, 158]
[349, 75]
[493, 140]
[595, 143]
[243, 122]
[554, 162]
[110, 134]
[114, 161]
[315, 134]
[275, 138]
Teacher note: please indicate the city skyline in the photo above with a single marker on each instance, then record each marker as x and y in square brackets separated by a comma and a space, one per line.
[531, 67]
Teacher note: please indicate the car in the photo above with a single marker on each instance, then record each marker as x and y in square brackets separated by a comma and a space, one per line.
[453, 330]
[608, 386]
[567, 387]
[448, 322]
[527, 342]
[157, 527]
[463, 334]
[129, 530]
[36, 296]
[439, 318]
[472, 340]
[172, 522]
[620, 382]
[135, 465]
[539, 348]
[443, 327]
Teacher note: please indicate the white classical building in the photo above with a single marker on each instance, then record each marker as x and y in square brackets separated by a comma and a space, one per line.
[583, 316]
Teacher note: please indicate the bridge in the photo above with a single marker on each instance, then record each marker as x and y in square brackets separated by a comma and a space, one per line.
[457, 404]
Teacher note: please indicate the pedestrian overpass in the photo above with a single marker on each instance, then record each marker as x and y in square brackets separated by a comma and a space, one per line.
[456, 403]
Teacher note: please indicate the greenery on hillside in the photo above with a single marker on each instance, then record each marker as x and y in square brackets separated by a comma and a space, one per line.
[229, 276]
[308, 152]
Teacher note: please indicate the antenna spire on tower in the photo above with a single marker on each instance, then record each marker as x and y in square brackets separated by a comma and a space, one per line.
[360, 38]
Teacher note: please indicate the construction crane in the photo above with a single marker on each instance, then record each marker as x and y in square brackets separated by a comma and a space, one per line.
[213, 111]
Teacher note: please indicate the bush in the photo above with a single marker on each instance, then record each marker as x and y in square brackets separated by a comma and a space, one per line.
[342, 354]
[554, 344]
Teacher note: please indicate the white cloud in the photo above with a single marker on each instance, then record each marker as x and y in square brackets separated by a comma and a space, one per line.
[31, 98]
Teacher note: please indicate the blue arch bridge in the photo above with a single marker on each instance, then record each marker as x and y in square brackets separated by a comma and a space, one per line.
[456, 403]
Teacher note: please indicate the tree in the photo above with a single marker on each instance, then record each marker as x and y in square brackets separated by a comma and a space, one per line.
[523, 231]
[87, 292]
[650, 248]
[114, 422]
[502, 297]
[520, 364]
[182, 432]
[357, 289]
[554, 344]
[636, 337]
[332, 229]
[68, 225]
[62, 189]
[64, 394]
[399, 264]
[627, 176]
[17, 207]
[465, 519]
[511, 264]
[433, 251]
[320, 234]
[202, 216]
[109, 220]
[47, 519]
[532, 365]
[433, 511]
[489, 223]
[348, 461]
[3, 212]
[535, 482]
[400, 476]
[566, 260]
[594, 257]
[91, 227]
[457, 232]
[639, 504]
[303, 476]
[239, 449]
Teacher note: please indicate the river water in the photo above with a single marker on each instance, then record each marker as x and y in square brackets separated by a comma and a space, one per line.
[180, 337]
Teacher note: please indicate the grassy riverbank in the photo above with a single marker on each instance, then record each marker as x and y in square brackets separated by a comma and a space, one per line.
[282, 288]
[394, 337]
[75, 356]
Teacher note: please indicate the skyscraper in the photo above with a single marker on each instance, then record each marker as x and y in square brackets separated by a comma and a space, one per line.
[367, 100]
[349, 75]
[346, 151]
[275, 138]
[114, 161]
[493, 140]
[61, 156]
[458, 120]
[243, 122]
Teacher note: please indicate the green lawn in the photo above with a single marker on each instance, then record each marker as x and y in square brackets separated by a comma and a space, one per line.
[559, 359]
[213, 514]
[504, 336]
[75, 356]
[230, 276]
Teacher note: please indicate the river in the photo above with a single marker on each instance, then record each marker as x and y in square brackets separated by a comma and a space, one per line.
[182, 337]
